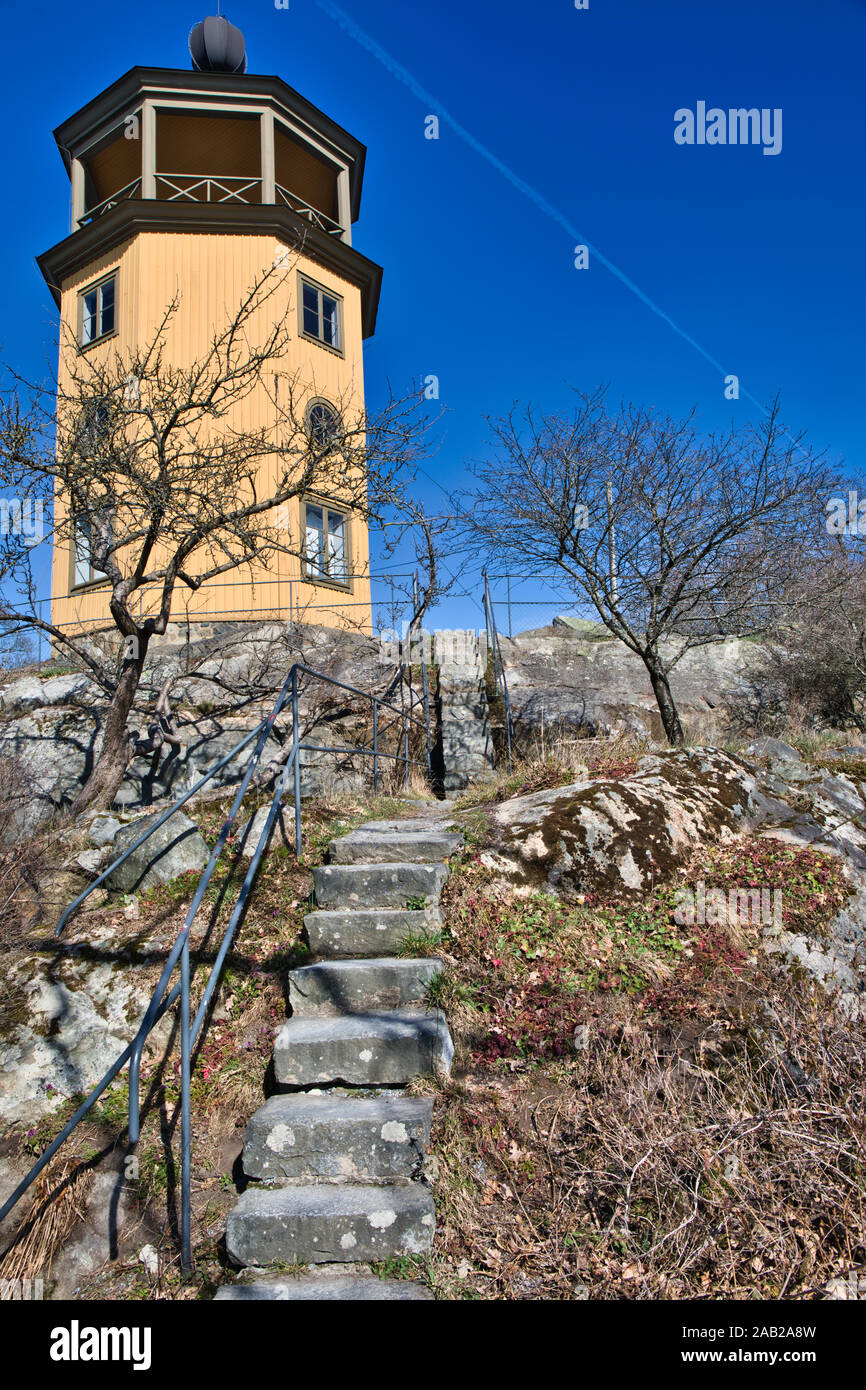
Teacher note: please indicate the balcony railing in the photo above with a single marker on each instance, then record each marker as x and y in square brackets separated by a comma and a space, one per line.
[207, 188]
[131, 190]
[319, 219]
[213, 188]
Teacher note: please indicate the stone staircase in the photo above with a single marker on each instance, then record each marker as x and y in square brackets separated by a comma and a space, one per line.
[467, 741]
[338, 1172]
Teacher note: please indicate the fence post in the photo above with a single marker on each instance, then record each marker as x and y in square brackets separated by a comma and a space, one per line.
[406, 747]
[297, 769]
[375, 746]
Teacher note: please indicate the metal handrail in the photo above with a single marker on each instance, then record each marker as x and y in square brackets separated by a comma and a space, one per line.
[500, 683]
[161, 1001]
[166, 815]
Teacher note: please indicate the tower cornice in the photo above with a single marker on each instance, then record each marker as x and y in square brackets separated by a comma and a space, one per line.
[134, 216]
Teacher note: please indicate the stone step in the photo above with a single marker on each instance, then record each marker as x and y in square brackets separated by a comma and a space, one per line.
[369, 931]
[465, 705]
[309, 1287]
[301, 1137]
[400, 847]
[377, 885]
[360, 986]
[436, 822]
[378, 1049]
[329, 1222]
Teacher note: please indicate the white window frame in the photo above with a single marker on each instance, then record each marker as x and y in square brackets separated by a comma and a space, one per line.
[100, 333]
[304, 282]
[311, 571]
[82, 556]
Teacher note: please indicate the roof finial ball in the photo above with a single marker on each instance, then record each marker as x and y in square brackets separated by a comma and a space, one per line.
[217, 46]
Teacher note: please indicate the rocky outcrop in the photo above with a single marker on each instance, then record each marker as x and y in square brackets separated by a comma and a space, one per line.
[176, 848]
[30, 693]
[572, 676]
[51, 731]
[68, 1011]
[623, 834]
[620, 836]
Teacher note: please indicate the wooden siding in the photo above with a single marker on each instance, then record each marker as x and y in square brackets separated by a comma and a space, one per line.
[211, 272]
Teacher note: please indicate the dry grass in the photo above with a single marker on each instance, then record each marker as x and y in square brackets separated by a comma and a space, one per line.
[59, 1199]
[637, 1116]
[555, 761]
[646, 1169]
[557, 758]
[21, 861]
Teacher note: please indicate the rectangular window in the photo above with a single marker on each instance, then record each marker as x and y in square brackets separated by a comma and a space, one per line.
[97, 311]
[325, 545]
[83, 568]
[320, 315]
[84, 572]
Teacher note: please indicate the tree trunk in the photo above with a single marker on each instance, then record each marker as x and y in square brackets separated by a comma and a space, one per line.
[104, 781]
[662, 691]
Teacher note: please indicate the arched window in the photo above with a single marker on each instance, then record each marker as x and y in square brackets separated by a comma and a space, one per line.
[323, 424]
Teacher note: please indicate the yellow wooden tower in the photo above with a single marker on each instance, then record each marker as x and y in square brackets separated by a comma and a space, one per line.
[194, 183]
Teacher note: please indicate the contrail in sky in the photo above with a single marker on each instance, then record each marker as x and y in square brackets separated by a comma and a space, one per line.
[434, 106]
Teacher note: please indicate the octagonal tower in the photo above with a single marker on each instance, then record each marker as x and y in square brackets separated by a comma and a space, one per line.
[193, 183]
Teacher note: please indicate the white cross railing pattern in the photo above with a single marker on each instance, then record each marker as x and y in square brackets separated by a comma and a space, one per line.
[212, 188]
[303, 209]
[207, 188]
[129, 191]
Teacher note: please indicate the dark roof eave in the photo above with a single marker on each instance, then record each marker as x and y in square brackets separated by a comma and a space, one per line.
[134, 215]
[113, 103]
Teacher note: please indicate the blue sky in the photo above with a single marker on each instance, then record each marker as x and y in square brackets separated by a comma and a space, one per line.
[758, 260]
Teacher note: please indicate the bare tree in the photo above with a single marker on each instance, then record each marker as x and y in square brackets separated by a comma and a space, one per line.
[16, 647]
[674, 538]
[814, 658]
[151, 464]
[428, 585]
